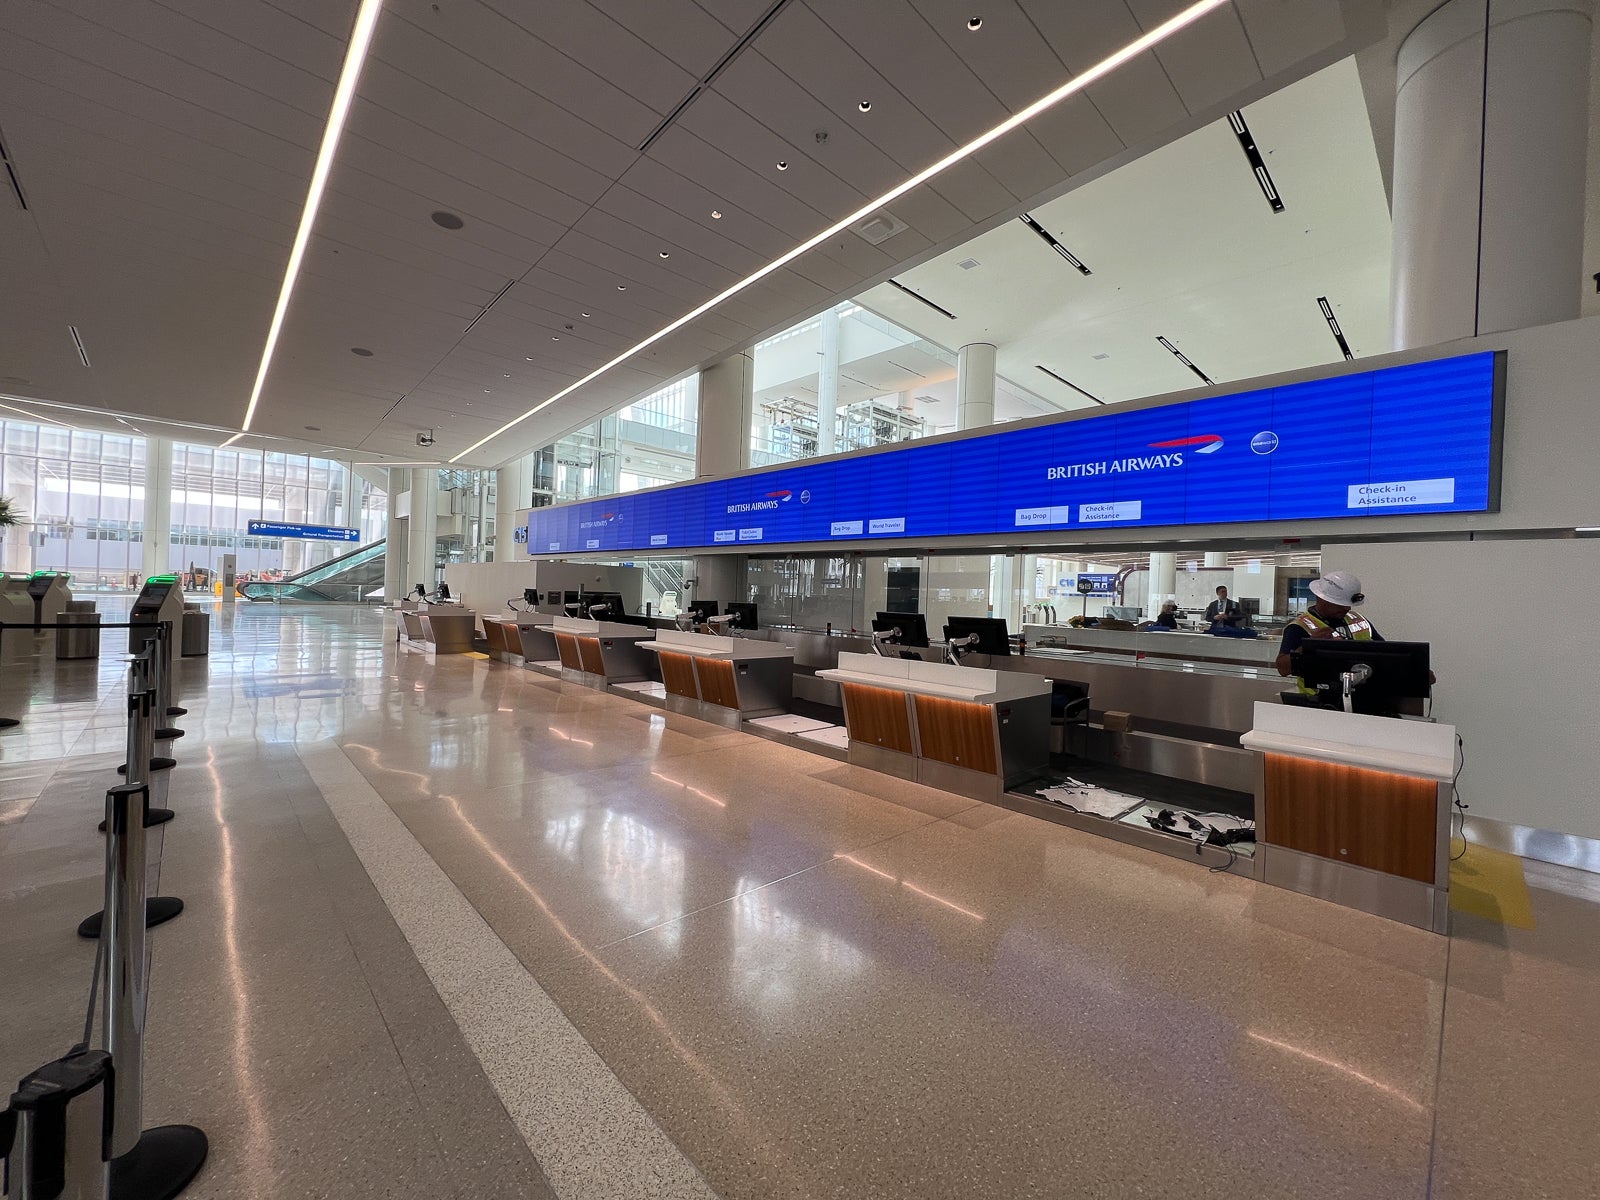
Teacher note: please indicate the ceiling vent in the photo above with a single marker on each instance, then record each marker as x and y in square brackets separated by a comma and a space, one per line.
[966, 264]
[879, 227]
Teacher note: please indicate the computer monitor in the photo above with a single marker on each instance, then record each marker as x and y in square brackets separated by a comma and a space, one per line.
[993, 637]
[744, 613]
[530, 597]
[610, 601]
[1399, 672]
[913, 627]
[702, 609]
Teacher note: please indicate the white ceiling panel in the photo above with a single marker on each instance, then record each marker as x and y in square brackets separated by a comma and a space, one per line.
[168, 145]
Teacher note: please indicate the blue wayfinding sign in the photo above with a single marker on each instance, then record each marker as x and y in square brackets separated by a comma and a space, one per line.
[315, 533]
[1418, 438]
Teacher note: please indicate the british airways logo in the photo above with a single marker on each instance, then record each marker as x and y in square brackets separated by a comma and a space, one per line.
[769, 501]
[1205, 443]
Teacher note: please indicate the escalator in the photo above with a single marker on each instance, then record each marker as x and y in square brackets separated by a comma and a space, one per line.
[348, 579]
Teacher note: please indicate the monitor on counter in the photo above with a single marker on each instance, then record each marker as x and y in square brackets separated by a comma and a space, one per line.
[1399, 672]
[913, 627]
[702, 609]
[744, 614]
[993, 637]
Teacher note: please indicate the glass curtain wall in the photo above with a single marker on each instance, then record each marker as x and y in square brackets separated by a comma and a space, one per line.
[648, 443]
[81, 496]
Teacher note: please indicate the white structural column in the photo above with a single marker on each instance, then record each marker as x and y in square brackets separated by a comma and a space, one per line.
[423, 529]
[828, 384]
[1491, 119]
[1216, 558]
[722, 446]
[156, 552]
[1163, 581]
[513, 496]
[975, 385]
[722, 442]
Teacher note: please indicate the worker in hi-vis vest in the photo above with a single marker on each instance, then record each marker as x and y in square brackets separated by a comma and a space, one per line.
[1331, 615]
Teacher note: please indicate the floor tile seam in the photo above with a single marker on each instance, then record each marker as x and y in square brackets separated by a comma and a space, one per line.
[1438, 1072]
[445, 1151]
[566, 1073]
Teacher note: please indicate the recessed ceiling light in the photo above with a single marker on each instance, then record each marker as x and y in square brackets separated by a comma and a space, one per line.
[865, 106]
[527, 360]
[782, 165]
[507, 375]
[447, 220]
[1084, 79]
[622, 287]
[664, 254]
[362, 351]
[554, 338]
[485, 391]
[583, 314]
[314, 428]
[716, 214]
[974, 23]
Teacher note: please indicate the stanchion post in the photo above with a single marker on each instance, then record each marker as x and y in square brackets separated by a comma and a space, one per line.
[169, 633]
[163, 678]
[153, 1164]
[62, 1119]
[141, 722]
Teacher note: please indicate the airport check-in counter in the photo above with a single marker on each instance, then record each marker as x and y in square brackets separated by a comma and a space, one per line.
[537, 638]
[448, 628]
[966, 730]
[724, 678]
[1356, 809]
[505, 643]
[1177, 644]
[50, 596]
[599, 653]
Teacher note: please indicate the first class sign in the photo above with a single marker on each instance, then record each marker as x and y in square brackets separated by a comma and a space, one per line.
[1418, 438]
[315, 533]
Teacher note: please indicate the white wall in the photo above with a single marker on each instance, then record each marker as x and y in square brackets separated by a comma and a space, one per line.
[487, 586]
[1518, 679]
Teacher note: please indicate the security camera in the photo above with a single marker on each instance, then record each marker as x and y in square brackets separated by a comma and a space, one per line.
[425, 438]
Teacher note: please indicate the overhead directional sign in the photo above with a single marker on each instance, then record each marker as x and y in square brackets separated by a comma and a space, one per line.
[315, 533]
[1418, 438]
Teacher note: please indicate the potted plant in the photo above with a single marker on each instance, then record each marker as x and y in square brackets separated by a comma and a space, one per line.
[9, 515]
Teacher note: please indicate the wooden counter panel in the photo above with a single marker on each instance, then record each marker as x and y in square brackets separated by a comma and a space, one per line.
[567, 648]
[589, 655]
[495, 634]
[677, 673]
[717, 685]
[1372, 819]
[957, 732]
[878, 715]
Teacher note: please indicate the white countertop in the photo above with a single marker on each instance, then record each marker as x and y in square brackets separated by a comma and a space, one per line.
[710, 645]
[1421, 748]
[583, 627]
[937, 679]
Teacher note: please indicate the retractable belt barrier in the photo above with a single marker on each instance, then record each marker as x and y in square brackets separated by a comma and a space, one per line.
[74, 1128]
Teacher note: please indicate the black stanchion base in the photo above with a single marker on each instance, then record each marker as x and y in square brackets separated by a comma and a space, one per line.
[158, 910]
[152, 816]
[9, 722]
[167, 735]
[175, 711]
[164, 1162]
[158, 763]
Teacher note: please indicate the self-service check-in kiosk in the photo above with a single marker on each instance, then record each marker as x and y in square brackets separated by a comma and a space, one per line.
[16, 606]
[159, 600]
[50, 595]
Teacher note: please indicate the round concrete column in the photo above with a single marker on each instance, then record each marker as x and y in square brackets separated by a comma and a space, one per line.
[975, 385]
[422, 541]
[1163, 584]
[1491, 118]
[722, 442]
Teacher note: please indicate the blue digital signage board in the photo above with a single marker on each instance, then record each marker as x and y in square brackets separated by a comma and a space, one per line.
[290, 529]
[1419, 438]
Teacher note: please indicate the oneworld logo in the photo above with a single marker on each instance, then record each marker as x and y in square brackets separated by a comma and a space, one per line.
[1264, 442]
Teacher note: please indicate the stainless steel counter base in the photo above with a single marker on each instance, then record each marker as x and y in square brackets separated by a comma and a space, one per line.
[1405, 900]
[889, 762]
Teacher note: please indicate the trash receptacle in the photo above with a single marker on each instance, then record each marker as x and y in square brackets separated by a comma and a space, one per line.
[196, 633]
[82, 637]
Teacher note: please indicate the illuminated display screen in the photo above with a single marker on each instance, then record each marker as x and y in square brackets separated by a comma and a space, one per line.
[1420, 438]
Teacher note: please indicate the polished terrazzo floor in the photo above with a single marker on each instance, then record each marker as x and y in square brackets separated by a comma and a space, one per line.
[456, 928]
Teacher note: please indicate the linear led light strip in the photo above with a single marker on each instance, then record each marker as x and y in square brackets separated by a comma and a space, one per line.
[344, 95]
[1099, 71]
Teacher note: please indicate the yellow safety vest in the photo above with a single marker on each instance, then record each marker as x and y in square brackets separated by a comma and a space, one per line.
[1356, 627]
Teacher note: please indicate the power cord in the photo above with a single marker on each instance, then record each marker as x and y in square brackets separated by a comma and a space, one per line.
[1461, 806]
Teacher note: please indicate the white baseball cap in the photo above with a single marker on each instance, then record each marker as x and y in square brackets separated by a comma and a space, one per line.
[1338, 587]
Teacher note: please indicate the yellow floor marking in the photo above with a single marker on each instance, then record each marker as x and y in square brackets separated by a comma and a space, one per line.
[1490, 884]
